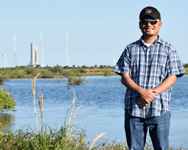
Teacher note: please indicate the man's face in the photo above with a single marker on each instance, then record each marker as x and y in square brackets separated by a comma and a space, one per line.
[149, 29]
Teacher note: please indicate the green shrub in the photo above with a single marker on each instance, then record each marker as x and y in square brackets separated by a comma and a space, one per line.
[57, 69]
[46, 75]
[3, 78]
[29, 70]
[107, 73]
[6, 121]
[67, 73]
[6, 101]
[83, 71]
[72, 80]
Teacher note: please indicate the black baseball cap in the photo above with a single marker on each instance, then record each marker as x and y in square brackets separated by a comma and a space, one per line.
[150, 12]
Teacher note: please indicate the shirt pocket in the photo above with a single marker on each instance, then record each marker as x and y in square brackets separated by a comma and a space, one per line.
[161, 64]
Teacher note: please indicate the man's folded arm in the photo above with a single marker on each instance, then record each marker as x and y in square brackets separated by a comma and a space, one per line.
[166, 84]
[147, 95]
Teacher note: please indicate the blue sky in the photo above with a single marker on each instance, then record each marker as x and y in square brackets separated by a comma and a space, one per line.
[98, 31]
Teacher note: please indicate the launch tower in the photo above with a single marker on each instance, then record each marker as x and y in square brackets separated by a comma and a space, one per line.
[67, 61]
[4, 60]
[41, 52]
[15, 56]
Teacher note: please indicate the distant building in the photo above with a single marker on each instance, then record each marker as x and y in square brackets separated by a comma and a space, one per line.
[34, 56]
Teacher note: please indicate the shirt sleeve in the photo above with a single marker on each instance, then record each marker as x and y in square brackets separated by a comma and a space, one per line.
[174, 65]
[123, 64]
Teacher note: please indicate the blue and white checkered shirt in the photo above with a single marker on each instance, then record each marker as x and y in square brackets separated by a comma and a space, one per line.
[148, 67]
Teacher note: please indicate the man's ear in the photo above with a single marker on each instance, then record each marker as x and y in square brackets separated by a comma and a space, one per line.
[139, 24]
[160, 24]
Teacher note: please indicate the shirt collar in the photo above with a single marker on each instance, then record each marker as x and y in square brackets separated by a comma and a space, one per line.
[158, 40]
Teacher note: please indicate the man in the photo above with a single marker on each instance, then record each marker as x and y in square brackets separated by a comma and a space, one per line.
[148, 68]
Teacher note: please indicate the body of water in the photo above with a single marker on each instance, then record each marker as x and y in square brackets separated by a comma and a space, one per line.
[102, 103]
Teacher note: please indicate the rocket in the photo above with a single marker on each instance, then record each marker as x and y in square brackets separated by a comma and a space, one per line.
[36, 56]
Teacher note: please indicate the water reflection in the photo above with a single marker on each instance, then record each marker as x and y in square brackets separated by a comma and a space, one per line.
[6, 120]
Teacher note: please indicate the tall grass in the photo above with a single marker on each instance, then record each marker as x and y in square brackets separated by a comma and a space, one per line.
[33, 81]
[40, 96]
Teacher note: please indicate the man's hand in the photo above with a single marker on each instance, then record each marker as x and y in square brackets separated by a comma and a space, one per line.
[147, 96]
[141, 102]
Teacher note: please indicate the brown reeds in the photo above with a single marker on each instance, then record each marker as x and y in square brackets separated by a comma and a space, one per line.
[33, 81]
[73, 123]
[69, 125]
[40, 96]
[95, 139]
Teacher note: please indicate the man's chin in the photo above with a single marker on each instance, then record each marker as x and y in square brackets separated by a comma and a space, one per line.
[148, 35]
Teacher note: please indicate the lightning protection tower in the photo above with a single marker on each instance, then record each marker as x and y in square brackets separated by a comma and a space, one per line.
[15, 55]
[41, 52]
[67, 61]
[4, 60]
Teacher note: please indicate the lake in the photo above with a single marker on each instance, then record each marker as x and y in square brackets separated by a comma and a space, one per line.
[102, 103]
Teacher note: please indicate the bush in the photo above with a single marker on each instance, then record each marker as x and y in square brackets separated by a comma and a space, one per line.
[6, 101]
[67, 73]
[46, 75]
[83, 71]
[57, 69]
[6, 121]
[107, 73]
[75, 80]
[29, 70]
[3, 79]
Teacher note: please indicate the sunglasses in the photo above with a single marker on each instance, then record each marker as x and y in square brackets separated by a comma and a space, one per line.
[146, 21]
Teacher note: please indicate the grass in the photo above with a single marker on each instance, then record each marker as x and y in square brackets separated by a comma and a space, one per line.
[24, 72]
[186, 70]
[73, 75]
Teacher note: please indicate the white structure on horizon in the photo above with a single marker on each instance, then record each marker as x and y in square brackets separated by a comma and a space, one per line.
[114, 62]
[4, 60]
[41, 52]
[67, 61]
[15, 56]
[34, 56]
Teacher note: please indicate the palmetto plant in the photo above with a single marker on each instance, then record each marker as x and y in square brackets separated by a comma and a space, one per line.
[6, 101]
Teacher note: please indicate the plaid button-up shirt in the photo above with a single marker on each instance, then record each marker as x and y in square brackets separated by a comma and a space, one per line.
[148, 67]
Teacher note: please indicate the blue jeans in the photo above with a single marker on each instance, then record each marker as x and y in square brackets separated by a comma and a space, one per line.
[136, 131]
